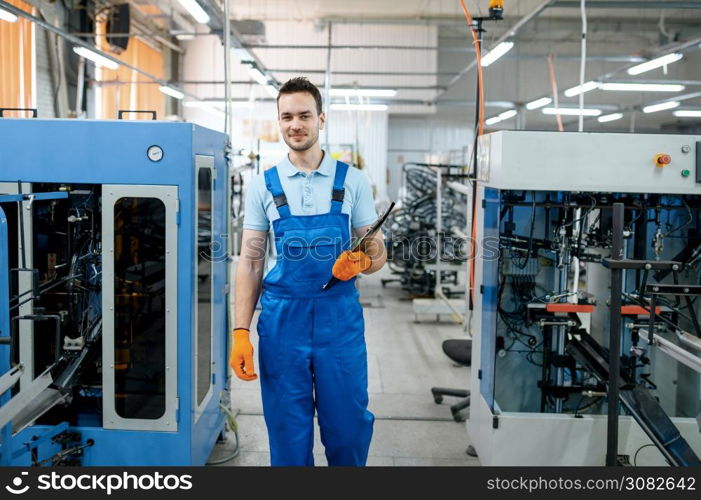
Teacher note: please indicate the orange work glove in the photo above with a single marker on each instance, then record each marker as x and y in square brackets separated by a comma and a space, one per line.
[350, 264]
[241, 359]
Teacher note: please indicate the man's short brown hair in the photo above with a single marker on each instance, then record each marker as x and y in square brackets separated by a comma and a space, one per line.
[301, 84]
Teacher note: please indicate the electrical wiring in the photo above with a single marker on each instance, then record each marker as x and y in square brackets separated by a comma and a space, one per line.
[635, 456]
[478, 52]
[479, 126]
[233, 426]
[553, 88]
[685, 224]
[530, 237]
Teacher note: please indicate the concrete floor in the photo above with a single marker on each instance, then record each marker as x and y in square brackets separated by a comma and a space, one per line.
[404, 361]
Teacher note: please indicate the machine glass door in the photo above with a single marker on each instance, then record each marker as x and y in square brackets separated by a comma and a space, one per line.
[140, 307]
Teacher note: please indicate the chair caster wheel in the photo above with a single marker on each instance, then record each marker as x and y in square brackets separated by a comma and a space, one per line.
[438, 399]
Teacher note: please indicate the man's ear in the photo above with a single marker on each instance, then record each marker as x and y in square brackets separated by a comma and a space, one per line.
[322, 120]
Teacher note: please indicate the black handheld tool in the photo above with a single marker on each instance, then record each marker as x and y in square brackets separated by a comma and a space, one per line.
[373, 229]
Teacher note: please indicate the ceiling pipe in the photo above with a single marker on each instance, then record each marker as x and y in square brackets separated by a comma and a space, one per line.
[78, 42]
[216, 25]
[511, 32]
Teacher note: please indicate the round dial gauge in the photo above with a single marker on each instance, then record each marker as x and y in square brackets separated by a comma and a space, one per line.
[155, 153]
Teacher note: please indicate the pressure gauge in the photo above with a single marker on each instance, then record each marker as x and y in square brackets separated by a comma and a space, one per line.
[155, 153]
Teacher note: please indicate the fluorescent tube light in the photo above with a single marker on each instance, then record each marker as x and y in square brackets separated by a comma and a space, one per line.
[195, 10]
[687, 113]
[167, 90]
[610, 118]
[508, 114]
[496, 53]
[7, 16]
[501, 117]
[258, 75]
[216, 104]
[642, 87]
[244, 55]
[270, 89]
[572, 111]
[98, 59]
[359, 107]
[660, 107]
[581, 89]
[539, 103]
[363, 92]
[655, 63]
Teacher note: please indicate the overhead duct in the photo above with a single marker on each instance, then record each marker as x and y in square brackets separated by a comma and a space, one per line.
[250, 30]
[118, 21]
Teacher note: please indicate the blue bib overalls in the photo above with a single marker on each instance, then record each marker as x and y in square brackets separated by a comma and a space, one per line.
[311, 342]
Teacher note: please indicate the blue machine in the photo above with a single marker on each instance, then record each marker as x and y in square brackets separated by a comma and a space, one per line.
[113, 292]
[543, 307]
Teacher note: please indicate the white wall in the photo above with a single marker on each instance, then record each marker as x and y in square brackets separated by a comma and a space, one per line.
[203, 61]
[367, 131]
[424, 140]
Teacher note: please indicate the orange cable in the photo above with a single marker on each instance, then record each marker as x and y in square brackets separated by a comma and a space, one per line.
[478, 51]
[553, 86]
[480, 86]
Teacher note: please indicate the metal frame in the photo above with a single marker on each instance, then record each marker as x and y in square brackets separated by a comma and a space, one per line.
[26, 328]
[169, 196]
[202, 161]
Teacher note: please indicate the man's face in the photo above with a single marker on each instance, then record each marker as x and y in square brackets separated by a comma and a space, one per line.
[299, 121]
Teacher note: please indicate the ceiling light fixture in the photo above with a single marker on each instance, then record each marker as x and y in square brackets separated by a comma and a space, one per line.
[359, 107]
[168, 90]
[687, 113]
[98, 59]
[653, 108]
[655, 63]
[195, 10]
[258, 75]
[539, 103]
[572, 111]
[363, 92]
[216, 104]
[642, 87]
[501, 117]
[610, 118]
[7, 16]
[494, 54]
[244, 55]
[581, 89]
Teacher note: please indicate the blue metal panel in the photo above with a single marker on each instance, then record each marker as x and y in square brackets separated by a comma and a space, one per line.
[490, 285]
[96, 152]
[114, 152]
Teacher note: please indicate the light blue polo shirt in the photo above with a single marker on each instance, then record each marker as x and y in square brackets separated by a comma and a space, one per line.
[309, 194]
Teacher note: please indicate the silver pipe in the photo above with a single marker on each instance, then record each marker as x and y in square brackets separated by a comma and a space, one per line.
[327, 86]
[227, 78]
[79, 88]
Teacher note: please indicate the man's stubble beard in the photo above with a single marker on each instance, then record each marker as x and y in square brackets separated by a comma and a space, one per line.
[306, 146]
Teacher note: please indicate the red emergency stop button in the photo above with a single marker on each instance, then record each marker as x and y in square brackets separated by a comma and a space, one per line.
[662, 159]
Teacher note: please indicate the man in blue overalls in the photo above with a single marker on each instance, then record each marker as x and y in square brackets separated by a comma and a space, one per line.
[312, 345]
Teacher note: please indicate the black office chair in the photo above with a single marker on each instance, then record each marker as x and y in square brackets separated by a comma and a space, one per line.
[460, 351]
